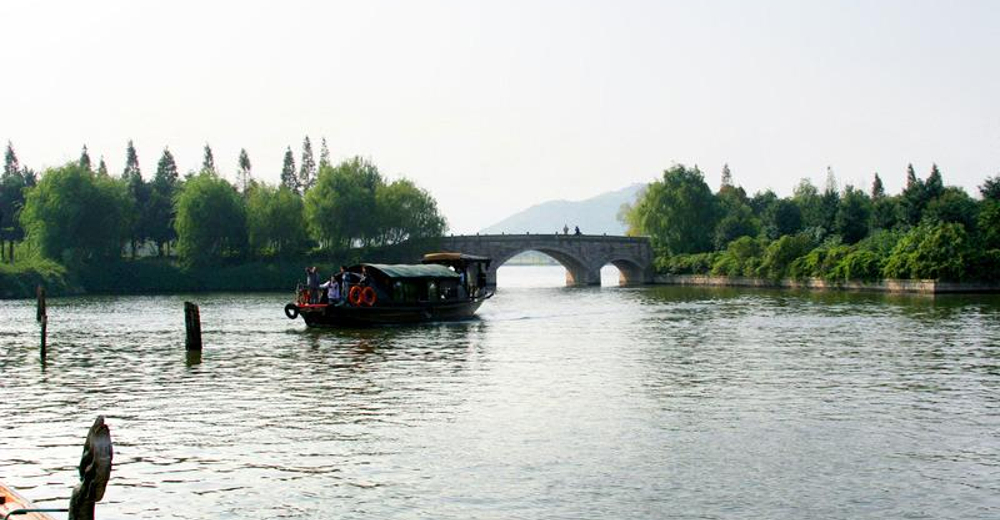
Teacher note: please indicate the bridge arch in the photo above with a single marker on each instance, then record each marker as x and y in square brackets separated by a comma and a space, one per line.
[576, 269]
[583, 256]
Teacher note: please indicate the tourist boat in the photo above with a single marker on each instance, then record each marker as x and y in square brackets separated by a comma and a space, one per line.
[443, 287]
[17, 507]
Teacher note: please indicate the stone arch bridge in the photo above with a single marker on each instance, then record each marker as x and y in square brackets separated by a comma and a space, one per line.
[581, 255]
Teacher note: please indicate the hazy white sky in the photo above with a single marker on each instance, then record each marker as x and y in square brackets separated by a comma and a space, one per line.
[496, 106]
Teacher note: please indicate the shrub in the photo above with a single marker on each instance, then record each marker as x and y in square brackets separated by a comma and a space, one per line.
[858, 265]
[779, 256]
[700, 263]
[740, 258]
[932, 251]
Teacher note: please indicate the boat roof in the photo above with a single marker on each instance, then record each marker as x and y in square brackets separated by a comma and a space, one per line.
[413, 270]
[452, 257]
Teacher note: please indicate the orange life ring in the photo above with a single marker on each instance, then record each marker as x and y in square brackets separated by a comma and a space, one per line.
[368, 296]
[354, 296]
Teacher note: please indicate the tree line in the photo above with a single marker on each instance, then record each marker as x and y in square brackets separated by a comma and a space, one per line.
[928, 230]
[77, 214]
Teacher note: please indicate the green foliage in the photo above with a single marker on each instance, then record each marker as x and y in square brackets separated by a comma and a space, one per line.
[820, 262]
[699, 263]
[211, 221]
[75, 216]
[952, 205]
[931, 251]
[780, 254]
[289, 178]
[275, 221]
[340, 209]
[783, 217]
[742, 257]
[990, 190]
[885, 213]
[352, 204]
[307, 170]
[857, 265]
[853, 215]
[810, 204]
[160, 212]
[737, 222]
[85, 159]
[21, 279]
[208, 161]
[989, 223]
[243, 176]
[405, 211]
[678, 213]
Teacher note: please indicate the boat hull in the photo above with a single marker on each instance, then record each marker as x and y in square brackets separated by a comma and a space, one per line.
[10, 500]
[354, 316]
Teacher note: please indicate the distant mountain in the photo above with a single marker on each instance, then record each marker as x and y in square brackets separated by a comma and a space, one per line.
[595, 216]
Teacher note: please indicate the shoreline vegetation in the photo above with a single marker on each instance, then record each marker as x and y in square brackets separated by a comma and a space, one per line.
[833, 238]
[77, 229]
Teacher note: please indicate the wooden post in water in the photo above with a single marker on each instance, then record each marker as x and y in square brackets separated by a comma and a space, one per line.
[192, 326]
[41, 315]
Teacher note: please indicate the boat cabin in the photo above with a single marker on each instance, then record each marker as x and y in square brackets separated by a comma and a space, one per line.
[471, 269]
[406, 284]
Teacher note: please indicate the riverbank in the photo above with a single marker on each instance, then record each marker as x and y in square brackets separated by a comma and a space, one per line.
[154, 276]
[888, 285]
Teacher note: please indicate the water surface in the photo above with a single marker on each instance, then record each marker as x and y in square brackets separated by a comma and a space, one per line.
[556, 403]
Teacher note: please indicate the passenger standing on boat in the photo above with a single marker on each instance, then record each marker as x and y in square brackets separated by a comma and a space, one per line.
[312, 281]
[332, 290]
[345, 282]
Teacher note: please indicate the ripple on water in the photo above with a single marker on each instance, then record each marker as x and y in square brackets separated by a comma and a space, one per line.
[557, 403]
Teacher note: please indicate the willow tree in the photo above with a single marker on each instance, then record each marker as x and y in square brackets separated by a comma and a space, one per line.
[210, 222]
[678, 212]
[75, 216]
[275, 220]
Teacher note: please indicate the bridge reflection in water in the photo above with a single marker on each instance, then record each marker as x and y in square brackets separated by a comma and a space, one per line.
[583, 256]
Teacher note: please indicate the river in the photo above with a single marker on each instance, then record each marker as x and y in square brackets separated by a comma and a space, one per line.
[557, 403]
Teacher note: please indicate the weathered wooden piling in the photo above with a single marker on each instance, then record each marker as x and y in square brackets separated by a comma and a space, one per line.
[41, 315]
[192, 326]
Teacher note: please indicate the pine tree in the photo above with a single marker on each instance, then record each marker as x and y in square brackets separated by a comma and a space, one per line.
[10, 163]
[934, 185]
[85, 159]
[831, 181]
[102, 168]
[243, 172]
[139, 193]
[160, 216]
[913, 197]
[208, 163]
[878, 191]
[288, 176]
[727, 176]
[911, 177]
[324, 155]
[166, 169]
[307, 170]
[131, 164]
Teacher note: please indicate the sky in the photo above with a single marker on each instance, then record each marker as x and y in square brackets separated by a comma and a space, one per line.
[497, 106]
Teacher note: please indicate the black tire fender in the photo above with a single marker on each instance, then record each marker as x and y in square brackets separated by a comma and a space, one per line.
[292, 311]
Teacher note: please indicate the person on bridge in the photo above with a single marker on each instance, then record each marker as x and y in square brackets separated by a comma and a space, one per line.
[577, 232]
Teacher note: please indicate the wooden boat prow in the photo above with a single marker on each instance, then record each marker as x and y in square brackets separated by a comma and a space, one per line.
[10, 501]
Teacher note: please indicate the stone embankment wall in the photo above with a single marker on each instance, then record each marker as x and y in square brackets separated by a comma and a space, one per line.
[889, 285]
